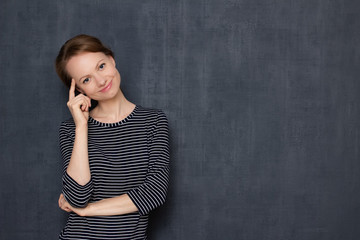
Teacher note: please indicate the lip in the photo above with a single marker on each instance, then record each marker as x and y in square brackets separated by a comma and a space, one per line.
[105, 89]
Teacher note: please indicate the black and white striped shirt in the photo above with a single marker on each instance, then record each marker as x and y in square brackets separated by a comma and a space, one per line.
[130, 156]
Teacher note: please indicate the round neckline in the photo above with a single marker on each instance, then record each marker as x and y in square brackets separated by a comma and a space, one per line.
[126, 119]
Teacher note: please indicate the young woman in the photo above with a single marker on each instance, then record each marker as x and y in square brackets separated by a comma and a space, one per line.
[116, 156]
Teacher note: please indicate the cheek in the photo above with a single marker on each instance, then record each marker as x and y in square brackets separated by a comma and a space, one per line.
[113, 72]
[88, 90]
[117, 74]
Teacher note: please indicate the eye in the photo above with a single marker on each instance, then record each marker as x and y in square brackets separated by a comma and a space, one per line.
[86, 80]
[102, 66]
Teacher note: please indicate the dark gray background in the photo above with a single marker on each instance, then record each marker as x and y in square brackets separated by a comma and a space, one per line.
[262, 99]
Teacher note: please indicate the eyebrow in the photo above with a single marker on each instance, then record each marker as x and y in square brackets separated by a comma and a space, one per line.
[97, 65]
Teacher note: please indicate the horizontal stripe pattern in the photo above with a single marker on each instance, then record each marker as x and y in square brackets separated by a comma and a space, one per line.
[130, 156]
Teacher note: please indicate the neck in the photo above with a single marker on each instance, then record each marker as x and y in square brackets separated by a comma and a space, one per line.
[114, 109]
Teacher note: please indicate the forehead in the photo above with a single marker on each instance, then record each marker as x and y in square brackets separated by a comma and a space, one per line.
[84, 63]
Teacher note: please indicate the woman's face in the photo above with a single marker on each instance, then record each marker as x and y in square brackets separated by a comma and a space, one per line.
[95, 75]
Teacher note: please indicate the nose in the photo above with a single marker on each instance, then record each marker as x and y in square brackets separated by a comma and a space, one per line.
[100, 80]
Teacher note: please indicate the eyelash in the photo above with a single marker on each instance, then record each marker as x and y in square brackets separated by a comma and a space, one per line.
[101, 67]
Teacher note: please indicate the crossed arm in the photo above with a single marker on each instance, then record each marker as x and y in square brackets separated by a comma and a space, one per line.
[144, 198]
[107, 207]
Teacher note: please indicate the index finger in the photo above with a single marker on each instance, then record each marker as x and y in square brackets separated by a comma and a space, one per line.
[72, 90]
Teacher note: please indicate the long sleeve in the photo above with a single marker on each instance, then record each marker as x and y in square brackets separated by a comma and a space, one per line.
[152, 192]
[76, 194]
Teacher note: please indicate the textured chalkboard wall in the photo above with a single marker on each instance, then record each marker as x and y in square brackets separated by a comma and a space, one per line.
[262, 98]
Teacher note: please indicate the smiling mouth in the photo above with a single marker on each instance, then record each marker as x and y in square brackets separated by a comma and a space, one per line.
[107, 87]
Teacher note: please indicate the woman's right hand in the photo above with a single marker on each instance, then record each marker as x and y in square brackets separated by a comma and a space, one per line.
[78, 105]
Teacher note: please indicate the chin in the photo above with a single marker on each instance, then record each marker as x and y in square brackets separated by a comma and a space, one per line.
[109, 95]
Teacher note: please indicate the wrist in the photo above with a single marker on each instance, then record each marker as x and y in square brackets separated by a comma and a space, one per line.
[81, 126]
[88, 211]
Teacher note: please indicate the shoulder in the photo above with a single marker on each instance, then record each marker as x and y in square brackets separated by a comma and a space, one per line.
[152, 114]
[67, 126]
[68, 123]
[155, 119]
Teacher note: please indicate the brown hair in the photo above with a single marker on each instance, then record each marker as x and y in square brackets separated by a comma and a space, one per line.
[78, 44]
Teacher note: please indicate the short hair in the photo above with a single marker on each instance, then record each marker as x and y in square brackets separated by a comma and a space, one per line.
[74, 46]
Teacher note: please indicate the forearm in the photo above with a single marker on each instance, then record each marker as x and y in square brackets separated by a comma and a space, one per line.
[79, 168]
[111, 206]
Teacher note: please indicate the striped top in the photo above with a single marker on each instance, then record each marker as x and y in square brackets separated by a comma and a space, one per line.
[130, 156]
